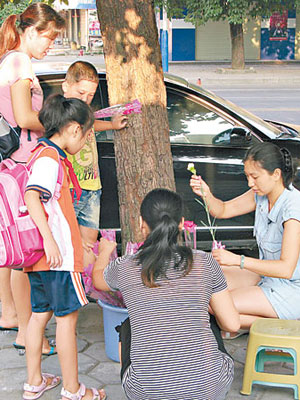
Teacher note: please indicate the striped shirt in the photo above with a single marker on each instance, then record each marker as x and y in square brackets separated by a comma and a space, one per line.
[174, 354]
[64, 228]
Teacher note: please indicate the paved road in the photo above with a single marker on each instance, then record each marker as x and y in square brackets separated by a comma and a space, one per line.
[277, 104]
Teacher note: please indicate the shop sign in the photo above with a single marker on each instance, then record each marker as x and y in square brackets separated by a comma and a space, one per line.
[94, 28]
[278, 26]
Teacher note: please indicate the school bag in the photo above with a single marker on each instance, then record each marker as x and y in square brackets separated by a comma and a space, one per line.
[21, 243]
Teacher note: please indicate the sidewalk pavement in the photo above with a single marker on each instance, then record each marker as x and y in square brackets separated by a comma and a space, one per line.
[216, 75]
[95, 369]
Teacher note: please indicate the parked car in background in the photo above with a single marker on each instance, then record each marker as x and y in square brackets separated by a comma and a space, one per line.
[206, 130]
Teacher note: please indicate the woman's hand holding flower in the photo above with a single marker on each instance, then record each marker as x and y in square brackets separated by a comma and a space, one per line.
[199, 186]
[225, 257]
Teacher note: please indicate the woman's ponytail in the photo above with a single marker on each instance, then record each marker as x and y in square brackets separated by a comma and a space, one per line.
[162, 211]
[9, 34]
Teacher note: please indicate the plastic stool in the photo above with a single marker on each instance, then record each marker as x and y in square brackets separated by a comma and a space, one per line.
[272, 340]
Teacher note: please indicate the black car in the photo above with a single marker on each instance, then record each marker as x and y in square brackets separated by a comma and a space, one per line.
[206, 130]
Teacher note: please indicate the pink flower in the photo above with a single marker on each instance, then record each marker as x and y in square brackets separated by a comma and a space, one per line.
[190, 226]
[217, 245]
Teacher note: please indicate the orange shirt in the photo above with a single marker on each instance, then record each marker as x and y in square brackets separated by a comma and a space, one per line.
[64, 226]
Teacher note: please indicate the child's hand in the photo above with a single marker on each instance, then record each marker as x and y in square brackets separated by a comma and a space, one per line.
[199, 186]
[87, 246]
[53, 256]
[119, 121]
[106, 246]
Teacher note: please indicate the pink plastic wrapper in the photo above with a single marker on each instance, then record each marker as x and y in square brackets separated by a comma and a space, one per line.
[113, 298]
[132, 248]
[217, 245]
[125, 109]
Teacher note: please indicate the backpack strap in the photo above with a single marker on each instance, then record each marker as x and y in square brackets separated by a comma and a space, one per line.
[56, 194]
[17, 129]
[7, 163]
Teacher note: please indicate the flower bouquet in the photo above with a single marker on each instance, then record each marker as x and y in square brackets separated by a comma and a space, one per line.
[190, 234]
[113, 298]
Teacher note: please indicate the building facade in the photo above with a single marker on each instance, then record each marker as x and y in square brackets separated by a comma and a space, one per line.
[274, 38]
[83, 28]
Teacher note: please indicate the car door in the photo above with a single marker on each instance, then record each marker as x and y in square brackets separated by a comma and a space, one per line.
[201, 133]
[214, 141]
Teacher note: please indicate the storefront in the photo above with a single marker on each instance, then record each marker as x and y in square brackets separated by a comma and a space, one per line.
[274, 38]
[83, 27]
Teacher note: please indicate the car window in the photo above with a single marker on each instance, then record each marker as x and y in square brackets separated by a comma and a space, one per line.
[101, 101]
[192, 122]
[51, 87]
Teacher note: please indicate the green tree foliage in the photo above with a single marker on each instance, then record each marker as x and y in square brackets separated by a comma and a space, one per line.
[234, 11]
[9, 7]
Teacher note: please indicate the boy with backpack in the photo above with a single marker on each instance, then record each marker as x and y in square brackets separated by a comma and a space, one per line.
[81, 82]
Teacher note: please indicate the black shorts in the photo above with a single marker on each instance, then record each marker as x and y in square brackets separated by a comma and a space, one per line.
[125, 338]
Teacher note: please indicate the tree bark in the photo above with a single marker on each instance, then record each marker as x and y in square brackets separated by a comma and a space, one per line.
[134, 71]
[237, 46]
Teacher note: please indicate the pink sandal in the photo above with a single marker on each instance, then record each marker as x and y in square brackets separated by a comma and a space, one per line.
[81, 392]
[42, 388]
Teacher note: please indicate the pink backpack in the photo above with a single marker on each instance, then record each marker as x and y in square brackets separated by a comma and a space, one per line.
[21, 243]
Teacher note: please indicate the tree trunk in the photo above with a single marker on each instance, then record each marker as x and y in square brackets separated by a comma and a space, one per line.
[237, 46]
[134, 71]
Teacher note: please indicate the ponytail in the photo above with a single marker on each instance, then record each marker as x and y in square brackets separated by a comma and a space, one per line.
[9, 35]
[161, 252]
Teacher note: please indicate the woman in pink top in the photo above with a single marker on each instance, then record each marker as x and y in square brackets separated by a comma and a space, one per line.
[23, 37]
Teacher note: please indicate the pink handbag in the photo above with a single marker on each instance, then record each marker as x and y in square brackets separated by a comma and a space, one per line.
[21, 243]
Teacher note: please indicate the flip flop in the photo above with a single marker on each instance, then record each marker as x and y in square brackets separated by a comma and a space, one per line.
[2, 328]
[50, 353]
[38, 391]
[234, 335]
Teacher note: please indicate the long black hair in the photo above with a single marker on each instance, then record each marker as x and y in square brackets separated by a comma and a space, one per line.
[270, 157]
[162, 210]
[58, 112]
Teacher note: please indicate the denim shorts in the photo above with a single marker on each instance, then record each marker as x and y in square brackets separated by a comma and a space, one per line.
[59, 291]
[284, 296]
[88, 208]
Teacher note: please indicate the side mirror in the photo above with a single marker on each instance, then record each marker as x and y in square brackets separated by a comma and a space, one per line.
[237, 136]
[240, 135]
